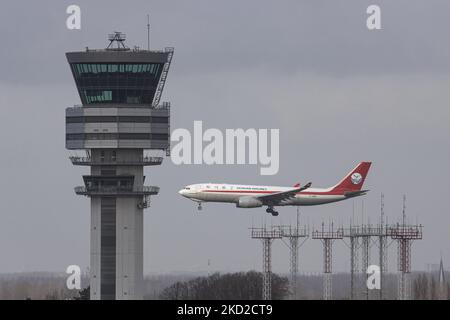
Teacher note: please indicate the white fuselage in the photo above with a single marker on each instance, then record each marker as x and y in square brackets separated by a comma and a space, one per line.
[230, 193]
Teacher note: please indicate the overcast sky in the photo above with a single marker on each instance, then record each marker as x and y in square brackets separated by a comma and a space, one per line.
[338, 92]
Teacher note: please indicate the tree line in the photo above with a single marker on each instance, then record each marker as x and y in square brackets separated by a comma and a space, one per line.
[231, 286]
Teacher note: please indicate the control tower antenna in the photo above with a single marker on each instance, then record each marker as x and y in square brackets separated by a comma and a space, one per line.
[119, 38]
[148, 32]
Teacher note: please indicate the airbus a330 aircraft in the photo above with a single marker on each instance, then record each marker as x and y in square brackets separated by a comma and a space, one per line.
[248, 196]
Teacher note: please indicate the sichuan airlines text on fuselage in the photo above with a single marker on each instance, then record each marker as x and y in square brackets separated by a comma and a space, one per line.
[250, 196]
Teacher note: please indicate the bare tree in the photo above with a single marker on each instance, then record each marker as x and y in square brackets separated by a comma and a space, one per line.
[235, 286]
[421, 287]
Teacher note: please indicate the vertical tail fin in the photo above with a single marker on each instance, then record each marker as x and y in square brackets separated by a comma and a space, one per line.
[354, 179]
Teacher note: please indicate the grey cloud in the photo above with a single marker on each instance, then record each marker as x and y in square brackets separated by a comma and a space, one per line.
[286, 36]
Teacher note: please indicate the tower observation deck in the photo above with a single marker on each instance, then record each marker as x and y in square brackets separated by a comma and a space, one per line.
[119, 118]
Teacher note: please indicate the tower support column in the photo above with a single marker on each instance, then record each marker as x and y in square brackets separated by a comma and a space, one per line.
[267, 269]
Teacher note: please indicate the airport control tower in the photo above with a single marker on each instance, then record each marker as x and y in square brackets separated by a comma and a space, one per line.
[120, 117]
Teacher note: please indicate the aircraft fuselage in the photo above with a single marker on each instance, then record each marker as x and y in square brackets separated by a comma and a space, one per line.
[229, 193]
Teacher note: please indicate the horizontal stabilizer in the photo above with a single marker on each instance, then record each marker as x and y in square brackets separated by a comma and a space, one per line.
[351, 194]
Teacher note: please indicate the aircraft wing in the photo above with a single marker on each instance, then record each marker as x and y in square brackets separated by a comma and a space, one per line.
[275, 198]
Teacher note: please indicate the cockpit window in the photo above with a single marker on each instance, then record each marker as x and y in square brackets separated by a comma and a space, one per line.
[187, 188]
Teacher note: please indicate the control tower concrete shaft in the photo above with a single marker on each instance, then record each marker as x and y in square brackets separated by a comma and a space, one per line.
[119, 118]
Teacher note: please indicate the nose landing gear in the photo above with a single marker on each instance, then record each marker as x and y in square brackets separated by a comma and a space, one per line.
[199, 206]
[272, 211]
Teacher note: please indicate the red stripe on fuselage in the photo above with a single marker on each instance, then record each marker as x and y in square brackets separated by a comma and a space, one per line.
[330, 193]
[240, 191]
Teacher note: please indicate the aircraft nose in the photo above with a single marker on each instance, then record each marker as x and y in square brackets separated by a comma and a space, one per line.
[182, 192]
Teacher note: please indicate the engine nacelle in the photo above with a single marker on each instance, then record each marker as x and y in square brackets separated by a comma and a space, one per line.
[249, 202]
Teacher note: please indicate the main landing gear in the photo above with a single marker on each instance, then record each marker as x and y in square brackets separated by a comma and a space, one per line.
[272, 211]
[199, 206]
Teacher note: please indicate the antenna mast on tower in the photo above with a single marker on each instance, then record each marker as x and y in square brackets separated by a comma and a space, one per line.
[148, 32]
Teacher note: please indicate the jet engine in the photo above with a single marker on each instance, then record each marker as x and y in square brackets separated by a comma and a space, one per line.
[249, 202]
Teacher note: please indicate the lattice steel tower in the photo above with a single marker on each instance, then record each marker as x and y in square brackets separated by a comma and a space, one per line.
[120, 117]
[327, 238]
[294, 234]
[404, 235]
[362, 237]
[267, 237]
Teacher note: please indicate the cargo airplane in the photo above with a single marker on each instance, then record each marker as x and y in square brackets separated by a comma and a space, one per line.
[250, 196]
